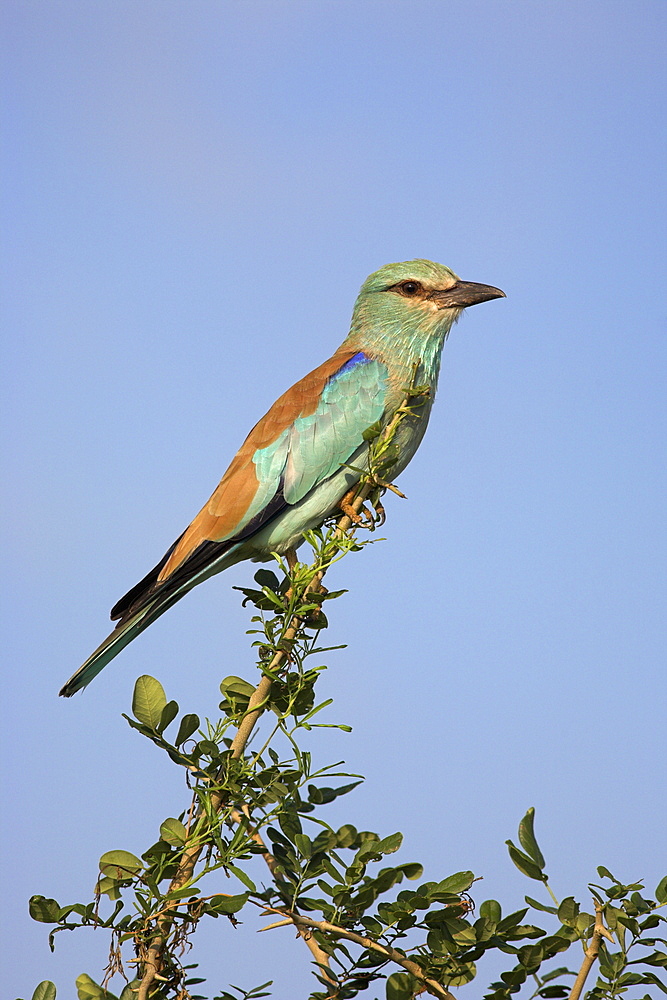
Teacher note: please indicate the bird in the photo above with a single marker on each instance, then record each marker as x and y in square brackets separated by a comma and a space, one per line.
[305, 455]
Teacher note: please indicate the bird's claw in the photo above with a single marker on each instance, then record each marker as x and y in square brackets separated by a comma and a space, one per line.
[380, 512]
[364, 517]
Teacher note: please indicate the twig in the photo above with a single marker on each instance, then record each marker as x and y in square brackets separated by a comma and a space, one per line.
[434, 988]
[258, 699]
[591, 953]
[318, 954]
[277, 923]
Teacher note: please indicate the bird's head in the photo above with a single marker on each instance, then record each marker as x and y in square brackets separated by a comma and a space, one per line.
[416, 295]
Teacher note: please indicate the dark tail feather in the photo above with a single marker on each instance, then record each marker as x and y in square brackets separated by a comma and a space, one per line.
[123, 634]
[124, 605]
[142, 605]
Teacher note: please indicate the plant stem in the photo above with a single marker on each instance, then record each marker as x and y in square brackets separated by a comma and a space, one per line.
[434, 988]
[258, 700]
[591, 953]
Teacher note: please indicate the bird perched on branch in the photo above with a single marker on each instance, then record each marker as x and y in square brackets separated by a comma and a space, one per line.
[304, 455]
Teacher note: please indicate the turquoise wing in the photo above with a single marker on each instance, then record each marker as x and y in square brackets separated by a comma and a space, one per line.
[314, 447]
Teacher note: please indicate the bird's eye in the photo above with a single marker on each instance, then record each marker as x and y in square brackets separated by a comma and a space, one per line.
[410, 287]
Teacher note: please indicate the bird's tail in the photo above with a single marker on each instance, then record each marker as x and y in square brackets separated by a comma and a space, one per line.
[142, 605]
[124, 633]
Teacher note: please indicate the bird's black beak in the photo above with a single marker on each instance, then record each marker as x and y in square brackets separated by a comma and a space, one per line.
[464, 294]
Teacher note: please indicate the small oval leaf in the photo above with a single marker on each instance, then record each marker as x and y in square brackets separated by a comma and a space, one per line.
[173, 832]
[47, 911]
[229, 904]
[148, 701]
[169, 713]
[189, 724]
[119, 864]
[45, 991]
[88, 989]
[568, 911]
[401, 986]
[460, 882]
[491, 909]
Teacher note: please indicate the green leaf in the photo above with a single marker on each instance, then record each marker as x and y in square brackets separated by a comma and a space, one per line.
[189, 725]
[605, 873]
[514, 978]
[321, 796]
[531, 956]
[119, 864]
[412, 870]
[87, 989]
[460, 882]
[303, 844]
[373, 431]
[583, 922]
[45, 991]
[229, 904]
[661, 891]
[389, 844]
[169, 713]
[524, 863]
[237, 692]
[148, 701]
[401, 986]
[491, 910]
[187, 890]
[47, 911]
[510, 922]
[331, 595]
[347, 835]
[173, 832]
[290, 824]
[241, 875]
[561, 971]
[465, 973]
[536, 905]
[568, 911]
[649, 977]
[109, 887]
[527, 838]
[658, 958]
[265, 578]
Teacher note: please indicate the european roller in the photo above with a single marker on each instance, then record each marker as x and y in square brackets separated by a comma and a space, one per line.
[303, 457]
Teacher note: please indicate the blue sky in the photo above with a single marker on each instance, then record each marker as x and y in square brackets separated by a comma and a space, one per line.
[195, 192]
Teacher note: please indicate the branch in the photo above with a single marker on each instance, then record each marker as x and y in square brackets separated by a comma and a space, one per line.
[433, 987]
[258, 700]
[318, 954]
[591, 953]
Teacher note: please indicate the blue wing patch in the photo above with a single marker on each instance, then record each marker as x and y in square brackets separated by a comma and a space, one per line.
[352, 400]
[314, 447]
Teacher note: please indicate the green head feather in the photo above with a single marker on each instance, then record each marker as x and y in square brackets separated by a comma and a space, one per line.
[399, 317]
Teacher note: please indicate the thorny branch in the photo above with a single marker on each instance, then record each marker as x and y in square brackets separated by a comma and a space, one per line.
[391, 953]
[320, 956]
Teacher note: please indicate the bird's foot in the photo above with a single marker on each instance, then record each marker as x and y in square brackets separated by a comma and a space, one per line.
[363, 517]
